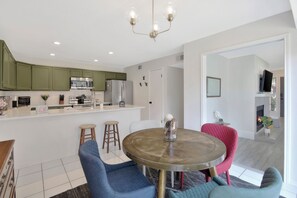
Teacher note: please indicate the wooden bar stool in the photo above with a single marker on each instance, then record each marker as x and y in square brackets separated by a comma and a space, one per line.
[84, 136]
[111, 135]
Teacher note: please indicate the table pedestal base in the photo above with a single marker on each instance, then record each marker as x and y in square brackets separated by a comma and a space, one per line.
[162, 184]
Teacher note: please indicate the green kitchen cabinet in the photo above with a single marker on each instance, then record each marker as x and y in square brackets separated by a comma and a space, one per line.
[76, 72]
[99, 80]
[61, 79]
[41, 78]
[121, 76]
[110, 75]
[8, 68]
[87, 74]
[23, 76]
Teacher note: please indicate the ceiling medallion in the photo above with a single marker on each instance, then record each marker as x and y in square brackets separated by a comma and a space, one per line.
[155, 29]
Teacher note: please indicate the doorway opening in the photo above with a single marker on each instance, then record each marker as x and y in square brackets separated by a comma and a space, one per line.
[239, 69]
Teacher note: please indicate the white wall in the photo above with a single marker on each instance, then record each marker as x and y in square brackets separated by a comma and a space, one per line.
[174, 96]
[218, 67]
[141, 93]
[243, 80]
[270, 27]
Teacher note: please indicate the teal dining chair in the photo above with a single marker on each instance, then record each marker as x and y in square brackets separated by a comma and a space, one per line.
[270, 187]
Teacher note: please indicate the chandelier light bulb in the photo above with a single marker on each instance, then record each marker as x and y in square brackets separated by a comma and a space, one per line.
[132, 14]
[155, 27]
[170, 9]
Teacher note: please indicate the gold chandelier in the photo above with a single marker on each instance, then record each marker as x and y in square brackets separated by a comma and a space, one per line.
[155, 29]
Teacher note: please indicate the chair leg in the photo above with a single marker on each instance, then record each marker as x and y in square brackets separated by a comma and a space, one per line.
[114, 135]
[108, 138]
[82, 136]
[172, 179]
[144, 170]
[104, 138]
[207, 178]
[228, 178]
[181, 180]
[118, 137]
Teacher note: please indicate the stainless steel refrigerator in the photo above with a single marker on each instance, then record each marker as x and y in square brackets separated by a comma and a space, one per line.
[118, 90]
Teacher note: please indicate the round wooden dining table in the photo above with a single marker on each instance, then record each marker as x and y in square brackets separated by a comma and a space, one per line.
[192, 150]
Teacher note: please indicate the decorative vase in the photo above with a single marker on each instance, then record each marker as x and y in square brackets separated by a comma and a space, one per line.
[170, 130]
[267, 131]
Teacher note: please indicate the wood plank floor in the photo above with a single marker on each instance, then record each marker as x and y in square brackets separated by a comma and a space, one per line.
[263, 152]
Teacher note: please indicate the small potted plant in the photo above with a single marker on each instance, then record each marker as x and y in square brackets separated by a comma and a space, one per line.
[267, 123]
[45, 97]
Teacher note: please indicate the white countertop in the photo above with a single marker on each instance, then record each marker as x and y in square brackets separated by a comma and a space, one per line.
[25, 112]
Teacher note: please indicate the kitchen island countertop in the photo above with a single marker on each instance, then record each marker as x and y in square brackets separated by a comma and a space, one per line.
[25, 112]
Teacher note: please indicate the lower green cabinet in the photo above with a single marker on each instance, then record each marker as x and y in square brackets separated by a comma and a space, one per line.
[23, 76]
[41, 78]
[99, 80]
[61, 79]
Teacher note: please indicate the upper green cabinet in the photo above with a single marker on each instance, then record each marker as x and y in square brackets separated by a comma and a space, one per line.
[115, 76]
[99, 80]
[76, 72]
[121, 76]
[110, 75]
[87, 74]
[61, 79]
[41, 78]
[7, 68]
[23, 76]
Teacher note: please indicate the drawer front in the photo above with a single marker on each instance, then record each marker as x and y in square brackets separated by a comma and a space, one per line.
[5, 176]
[9, 192]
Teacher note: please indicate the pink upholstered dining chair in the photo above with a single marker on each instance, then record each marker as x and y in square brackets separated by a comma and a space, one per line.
[229, 137]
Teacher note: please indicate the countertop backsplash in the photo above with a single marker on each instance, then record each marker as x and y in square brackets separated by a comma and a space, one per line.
[53, 96]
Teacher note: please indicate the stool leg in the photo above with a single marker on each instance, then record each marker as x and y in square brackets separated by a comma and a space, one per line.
[104, 138]
[82, 136]
[93, 135]
[108, 135]
[118, 137]
[114, 135]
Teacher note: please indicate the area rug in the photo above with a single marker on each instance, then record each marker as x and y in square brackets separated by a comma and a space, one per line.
[190, 179]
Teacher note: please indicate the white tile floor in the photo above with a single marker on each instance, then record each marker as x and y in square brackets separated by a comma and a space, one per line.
[53, 177]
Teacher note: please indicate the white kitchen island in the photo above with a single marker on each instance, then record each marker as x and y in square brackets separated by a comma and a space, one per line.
[55, 134]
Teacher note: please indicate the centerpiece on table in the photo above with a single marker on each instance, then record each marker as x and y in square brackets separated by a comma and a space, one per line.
[267, 123]
[3, 105]
[45, 97]
[170, 128]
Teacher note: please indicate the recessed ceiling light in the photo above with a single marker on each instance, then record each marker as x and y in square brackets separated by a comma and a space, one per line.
[95, 60]
[110, 53]
[52, 54]
[57, 43]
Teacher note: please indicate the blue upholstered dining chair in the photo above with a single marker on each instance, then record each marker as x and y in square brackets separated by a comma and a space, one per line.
[270, 187]
[112, 181]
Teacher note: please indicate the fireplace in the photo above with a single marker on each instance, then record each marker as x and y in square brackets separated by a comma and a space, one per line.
[259, 113]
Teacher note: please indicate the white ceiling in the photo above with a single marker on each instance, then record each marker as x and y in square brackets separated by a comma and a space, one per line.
[88, 30]
[272, 53]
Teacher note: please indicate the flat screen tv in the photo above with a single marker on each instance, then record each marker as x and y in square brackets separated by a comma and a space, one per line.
[266, 81]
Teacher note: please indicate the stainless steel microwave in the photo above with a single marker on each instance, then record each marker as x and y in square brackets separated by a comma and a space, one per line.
[81, 83]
